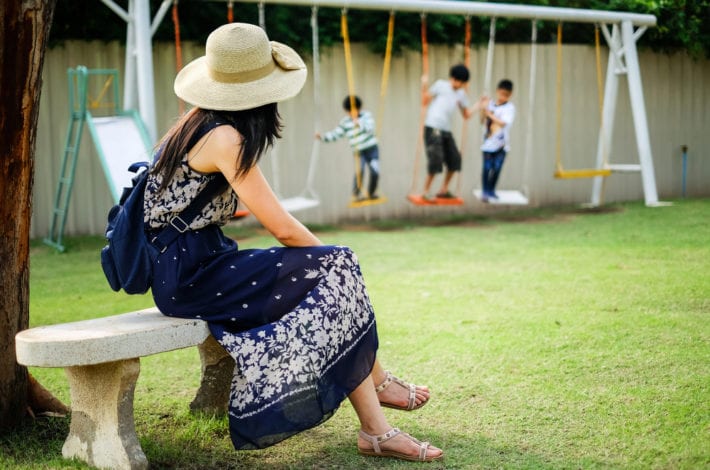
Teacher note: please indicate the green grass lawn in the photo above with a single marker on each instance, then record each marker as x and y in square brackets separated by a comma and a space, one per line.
[550, 339]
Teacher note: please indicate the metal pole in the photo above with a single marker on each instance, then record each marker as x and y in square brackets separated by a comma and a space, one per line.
[144, 66]
[262, 16]
[638, 109]
[684, 149]
[130, 100]
[489, 58]
[530, 119]
[611, 89]
[480, 9]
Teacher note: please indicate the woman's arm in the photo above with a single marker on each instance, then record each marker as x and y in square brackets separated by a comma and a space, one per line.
[219, 154]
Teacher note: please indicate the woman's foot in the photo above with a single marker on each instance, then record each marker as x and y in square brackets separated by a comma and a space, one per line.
[397, 444]
[400, 395]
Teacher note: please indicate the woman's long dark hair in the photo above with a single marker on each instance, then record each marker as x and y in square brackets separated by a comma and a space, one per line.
[259, 128]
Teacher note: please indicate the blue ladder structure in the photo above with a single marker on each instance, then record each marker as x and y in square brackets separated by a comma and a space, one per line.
[120, 138]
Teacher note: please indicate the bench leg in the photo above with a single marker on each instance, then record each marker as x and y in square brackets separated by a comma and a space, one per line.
[102, 432]
[217, 372]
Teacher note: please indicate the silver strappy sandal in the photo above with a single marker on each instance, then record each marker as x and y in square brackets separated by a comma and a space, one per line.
[376, 451]
[411, 404]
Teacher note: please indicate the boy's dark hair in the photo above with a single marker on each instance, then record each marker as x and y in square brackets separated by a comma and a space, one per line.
[459, 72]
[505, 84]
[346, 103]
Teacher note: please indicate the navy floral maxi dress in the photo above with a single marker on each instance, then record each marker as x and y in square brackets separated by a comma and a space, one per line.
[297, 321]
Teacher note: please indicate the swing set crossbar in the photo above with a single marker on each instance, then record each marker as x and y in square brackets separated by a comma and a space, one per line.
[480, 9]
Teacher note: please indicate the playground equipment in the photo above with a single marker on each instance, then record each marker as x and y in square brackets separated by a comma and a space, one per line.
[603, 170]
[507, 196]
[351, 93]
[119, 136]
[417, 199]
[308, 198]
[621, 30]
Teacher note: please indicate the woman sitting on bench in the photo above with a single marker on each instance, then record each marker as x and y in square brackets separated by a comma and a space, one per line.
[296, 319]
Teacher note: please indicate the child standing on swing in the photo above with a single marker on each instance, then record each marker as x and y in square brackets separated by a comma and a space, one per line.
[360, 132]
[497, 116]
[444, 98]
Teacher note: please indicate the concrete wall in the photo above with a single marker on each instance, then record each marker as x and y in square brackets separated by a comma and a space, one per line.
[677, 91]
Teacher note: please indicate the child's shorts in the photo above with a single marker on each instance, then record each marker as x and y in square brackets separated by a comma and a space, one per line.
[441, 150]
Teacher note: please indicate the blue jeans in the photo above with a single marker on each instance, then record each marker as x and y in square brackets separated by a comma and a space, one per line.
[492, 165]
[370, 157]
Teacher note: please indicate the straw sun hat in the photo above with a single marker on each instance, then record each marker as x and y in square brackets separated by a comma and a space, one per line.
[241, 69]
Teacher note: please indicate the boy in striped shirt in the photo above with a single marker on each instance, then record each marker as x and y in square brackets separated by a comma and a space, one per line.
[361, 136]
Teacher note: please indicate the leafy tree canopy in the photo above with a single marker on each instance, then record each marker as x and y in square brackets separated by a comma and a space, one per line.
[682, 24]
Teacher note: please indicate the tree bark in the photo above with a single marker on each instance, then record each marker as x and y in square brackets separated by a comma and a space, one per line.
[24, 30]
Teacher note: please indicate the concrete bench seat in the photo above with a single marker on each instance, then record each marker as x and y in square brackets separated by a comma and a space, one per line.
[101, 357]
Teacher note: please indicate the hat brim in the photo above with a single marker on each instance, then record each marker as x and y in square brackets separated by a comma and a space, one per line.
[194, 85]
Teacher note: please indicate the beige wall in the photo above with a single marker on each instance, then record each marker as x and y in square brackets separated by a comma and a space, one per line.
[676, 88]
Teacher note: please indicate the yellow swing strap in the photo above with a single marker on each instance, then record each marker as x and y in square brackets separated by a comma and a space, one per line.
[385, 73]
[560, 172]
[422, 113]
[351, 85]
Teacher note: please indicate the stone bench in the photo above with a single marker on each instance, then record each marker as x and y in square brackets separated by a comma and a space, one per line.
[102, 360]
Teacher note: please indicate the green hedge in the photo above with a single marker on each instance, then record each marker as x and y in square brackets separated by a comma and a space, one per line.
[682, 24]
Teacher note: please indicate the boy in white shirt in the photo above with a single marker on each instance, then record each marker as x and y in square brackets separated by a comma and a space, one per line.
[444, 98]
[497, 116]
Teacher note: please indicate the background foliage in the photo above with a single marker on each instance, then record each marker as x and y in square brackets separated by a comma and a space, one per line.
[682, 24]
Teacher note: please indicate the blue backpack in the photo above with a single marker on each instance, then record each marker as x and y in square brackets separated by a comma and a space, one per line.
[127, 259]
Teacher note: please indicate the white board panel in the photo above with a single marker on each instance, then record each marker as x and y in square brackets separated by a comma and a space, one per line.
[120, 144]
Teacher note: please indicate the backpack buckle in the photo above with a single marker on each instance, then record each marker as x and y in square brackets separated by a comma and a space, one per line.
[179, 224]
[155, 241]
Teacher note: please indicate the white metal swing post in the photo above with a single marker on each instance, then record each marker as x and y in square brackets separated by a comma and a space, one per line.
[623, 59]
[139, 58]
[506, 197]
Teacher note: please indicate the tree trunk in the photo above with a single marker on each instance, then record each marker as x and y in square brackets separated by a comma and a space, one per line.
[24, 29]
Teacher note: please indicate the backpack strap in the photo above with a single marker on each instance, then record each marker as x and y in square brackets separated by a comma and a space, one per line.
[180, 223]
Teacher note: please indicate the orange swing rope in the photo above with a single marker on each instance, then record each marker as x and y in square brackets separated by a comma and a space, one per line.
[178, 51]
[422, 112]
[230, 11]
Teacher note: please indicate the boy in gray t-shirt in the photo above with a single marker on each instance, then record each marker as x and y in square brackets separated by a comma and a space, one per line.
[443, 98]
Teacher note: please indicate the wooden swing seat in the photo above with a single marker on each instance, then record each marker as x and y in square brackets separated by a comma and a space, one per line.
[582, 173]
[367, 202]
[418, 200]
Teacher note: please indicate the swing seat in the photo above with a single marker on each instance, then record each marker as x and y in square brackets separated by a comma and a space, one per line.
[448, 201]
[582, 173]
[367, 202]
[418, 200]
[299, 203]
[506, 197]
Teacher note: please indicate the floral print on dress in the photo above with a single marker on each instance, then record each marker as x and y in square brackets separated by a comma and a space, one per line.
[161, 207]
[287, 357]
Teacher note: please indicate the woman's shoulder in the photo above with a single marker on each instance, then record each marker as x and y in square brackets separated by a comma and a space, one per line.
[218, 145]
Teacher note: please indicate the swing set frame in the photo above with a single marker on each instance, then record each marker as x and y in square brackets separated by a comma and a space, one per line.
[621, 31]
